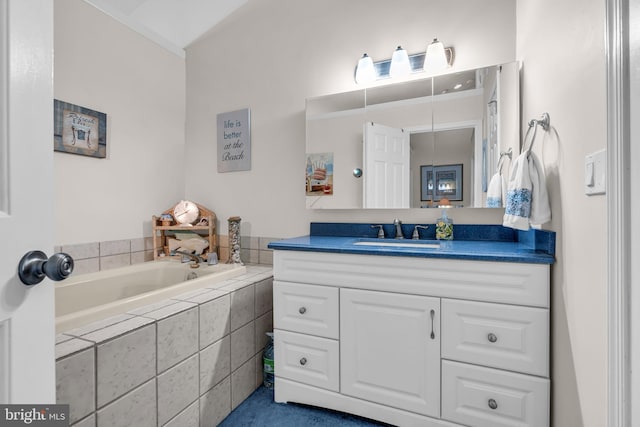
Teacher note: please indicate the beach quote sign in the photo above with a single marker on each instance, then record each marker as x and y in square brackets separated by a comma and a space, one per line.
[234, 141]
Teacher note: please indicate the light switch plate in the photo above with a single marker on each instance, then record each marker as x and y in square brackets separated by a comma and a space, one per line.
[595, 173]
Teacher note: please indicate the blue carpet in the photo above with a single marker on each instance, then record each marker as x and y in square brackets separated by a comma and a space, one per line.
[259, 410]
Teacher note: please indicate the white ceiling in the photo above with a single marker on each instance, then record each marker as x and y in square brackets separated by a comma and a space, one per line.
[173, 24]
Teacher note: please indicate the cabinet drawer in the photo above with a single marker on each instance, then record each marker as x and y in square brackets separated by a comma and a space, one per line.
[502, 336]
[307, 359]
[485, 397]
[309, 309]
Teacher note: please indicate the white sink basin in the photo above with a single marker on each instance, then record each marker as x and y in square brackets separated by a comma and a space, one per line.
[409, 244]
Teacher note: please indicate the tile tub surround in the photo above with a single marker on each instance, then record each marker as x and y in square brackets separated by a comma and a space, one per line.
[98, 256]
[186, 361]
[253, 249]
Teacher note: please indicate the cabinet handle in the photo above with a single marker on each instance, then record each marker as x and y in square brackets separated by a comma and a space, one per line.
[492, 337]
[493, 404]
[303, 361]
[302, 310]
[432, 314]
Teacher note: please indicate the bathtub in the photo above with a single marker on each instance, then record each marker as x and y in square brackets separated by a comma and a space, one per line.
[91, 297]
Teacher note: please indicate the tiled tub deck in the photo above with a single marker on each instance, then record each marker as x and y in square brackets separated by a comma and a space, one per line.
[183, 362]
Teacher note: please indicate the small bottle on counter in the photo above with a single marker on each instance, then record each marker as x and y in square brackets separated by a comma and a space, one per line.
[444, 227]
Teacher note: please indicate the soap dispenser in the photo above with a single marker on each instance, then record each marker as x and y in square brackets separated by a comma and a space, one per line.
[444, 227]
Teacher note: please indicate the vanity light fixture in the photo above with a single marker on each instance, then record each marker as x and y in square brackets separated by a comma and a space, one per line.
[402, 65]
[365, 71]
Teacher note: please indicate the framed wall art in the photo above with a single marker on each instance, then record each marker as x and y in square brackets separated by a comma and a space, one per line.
[447, 182]
[79, 130]
[319, 174]
[441, 182]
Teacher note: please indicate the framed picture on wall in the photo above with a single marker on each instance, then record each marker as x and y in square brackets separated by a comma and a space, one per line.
[426, 183]
[447, 182]
[319, 174]
[79, 130]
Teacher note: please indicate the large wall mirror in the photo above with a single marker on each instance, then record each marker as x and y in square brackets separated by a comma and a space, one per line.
[417, 144]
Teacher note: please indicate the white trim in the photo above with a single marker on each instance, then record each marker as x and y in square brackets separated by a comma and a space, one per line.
[5, 373]
[136, 26]
[634, 190]
[618, 215]
[633, 397]
[291, 391]
[4, 108]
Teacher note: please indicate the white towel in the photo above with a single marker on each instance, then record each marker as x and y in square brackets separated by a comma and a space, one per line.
[527, 203]
[497, 191]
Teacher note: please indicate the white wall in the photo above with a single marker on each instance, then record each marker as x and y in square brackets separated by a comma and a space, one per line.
[271, 55]
[102, 65]
[562, 47]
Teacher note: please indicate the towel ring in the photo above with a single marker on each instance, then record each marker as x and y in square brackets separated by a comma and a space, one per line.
[507, 153]
[533, 123]
[543, 121]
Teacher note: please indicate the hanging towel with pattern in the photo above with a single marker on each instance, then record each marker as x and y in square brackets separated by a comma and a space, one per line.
[527, 201]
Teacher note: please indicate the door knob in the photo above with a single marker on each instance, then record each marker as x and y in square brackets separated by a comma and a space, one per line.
[34, 265]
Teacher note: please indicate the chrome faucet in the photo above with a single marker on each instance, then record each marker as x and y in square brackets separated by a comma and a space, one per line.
[195, 258]
[380, 230]
[416, 233]
[398, 225]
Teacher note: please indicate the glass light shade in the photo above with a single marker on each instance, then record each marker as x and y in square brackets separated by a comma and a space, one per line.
[435, 59]
[365, 71]
[400, 65]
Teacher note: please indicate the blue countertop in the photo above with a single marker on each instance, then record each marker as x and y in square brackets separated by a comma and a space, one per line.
[471, 242]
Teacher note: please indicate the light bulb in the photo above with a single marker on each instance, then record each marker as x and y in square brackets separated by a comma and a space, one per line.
[365, 71]
[435, 59]
[400, 66]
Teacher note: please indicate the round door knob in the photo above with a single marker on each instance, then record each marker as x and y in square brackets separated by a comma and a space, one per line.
[303, 361]
[492, 404]
[34, 266]
[492, 337]
[302, 310]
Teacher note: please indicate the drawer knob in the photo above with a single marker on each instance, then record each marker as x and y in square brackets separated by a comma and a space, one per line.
[302, 310]
[303, 361]
[492, 337]
[493, 404]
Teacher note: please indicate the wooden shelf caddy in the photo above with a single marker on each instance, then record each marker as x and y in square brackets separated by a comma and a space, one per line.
[161, 231]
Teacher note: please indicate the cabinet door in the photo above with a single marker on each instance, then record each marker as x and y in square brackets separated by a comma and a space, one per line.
[390, 349]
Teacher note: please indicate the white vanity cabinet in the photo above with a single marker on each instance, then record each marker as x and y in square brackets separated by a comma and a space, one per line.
[413, 341]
